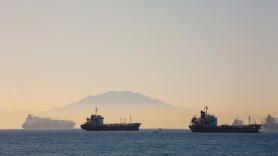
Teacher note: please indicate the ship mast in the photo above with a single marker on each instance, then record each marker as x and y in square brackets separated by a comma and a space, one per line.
[96, 111]
[206, 110]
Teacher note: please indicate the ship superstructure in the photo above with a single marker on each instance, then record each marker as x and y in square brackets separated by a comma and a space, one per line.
[237, 122]
[270, 123]
[95, 123]
[208, 123]
[35, 122]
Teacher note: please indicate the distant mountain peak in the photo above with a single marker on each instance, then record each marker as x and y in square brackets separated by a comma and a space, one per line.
[118, 98]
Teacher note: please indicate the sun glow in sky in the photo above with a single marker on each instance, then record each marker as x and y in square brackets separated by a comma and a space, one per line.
[186, 53]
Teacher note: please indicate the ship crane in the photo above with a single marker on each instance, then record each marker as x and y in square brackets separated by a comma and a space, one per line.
[249, 119]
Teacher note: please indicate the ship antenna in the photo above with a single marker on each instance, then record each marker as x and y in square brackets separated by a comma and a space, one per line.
[130, 118]
[206, 109]
[96, 111]
[249, 118]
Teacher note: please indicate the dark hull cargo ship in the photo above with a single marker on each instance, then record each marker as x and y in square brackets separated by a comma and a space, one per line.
[95, 123]
[227, 129]
[111, 127]
[208, 123]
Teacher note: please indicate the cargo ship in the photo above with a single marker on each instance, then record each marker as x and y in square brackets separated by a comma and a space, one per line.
[270, 124]
[208, 123]
[95, 123]
[35, 122]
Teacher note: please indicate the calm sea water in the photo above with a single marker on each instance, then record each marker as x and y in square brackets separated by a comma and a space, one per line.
[144, 142]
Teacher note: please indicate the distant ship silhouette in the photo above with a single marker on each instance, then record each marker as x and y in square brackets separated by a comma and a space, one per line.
[270, 124]
[95, 123]
[35, 122]
[208, 123]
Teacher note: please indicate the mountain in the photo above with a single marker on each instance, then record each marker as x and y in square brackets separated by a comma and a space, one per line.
[117, 105]
[118, 98]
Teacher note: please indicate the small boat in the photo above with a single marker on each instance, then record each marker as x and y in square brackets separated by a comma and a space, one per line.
[158, 130]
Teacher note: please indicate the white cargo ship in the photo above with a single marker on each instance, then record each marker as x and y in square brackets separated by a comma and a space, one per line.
[270, 124]
[35, 122]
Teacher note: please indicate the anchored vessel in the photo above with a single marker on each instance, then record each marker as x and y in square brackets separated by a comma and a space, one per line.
[35, 122]
[270, 124]
[95, 123]
[208, 123]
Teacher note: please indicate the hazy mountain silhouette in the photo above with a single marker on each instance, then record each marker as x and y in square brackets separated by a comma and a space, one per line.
[117, 99]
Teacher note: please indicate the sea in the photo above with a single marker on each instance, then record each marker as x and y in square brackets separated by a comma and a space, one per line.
[144, 142]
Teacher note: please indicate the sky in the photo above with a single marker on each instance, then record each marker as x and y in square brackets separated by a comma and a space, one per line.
[187, 53]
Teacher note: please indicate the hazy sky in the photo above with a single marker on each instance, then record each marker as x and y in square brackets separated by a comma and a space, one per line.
[187, 53]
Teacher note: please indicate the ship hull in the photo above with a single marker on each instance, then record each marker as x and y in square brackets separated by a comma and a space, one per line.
[227, 129]
[116, 127]
[48, 126]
